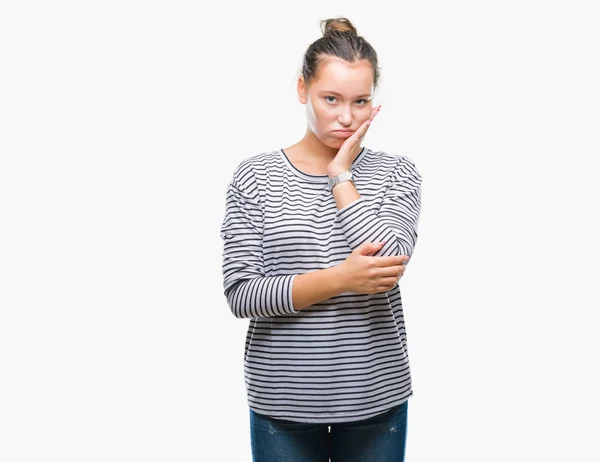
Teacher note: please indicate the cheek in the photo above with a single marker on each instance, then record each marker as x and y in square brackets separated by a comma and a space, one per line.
[322, 117]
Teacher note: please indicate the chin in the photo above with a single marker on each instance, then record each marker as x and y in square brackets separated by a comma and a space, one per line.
[334, 143]
[330, 141]
[337, 142]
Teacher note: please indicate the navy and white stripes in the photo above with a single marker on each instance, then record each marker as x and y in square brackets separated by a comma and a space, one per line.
[344, 358]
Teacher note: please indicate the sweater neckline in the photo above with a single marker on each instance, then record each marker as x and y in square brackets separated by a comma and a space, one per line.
[317, 178]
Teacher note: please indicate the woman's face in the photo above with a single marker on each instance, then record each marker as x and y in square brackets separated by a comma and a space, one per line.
[339, 98]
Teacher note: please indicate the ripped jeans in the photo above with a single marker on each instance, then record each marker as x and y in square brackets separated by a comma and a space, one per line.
[379, 439]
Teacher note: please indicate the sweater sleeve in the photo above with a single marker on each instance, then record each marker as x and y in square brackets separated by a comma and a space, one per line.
[249, 293]
[397, 219]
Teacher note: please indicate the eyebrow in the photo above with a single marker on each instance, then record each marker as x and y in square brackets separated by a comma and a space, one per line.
[337, 94]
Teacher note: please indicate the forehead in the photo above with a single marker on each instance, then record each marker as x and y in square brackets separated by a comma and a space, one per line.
[339, 75]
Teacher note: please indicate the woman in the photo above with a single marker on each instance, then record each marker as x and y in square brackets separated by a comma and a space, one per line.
[316, 238]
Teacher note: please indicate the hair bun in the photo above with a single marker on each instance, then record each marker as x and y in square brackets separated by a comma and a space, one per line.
[337, 24]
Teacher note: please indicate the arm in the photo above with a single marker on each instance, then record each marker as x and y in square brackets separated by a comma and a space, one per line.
[396, 222]
[316, 286]
[249, 293]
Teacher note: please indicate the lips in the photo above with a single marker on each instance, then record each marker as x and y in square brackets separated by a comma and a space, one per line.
[342, 133]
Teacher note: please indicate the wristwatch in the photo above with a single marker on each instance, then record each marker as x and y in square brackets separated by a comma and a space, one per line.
[345, 176]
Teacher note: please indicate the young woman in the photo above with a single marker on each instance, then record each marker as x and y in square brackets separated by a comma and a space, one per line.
[316, 238]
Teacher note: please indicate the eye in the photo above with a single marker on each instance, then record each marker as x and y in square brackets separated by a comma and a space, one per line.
[365, 101]
[329, 97]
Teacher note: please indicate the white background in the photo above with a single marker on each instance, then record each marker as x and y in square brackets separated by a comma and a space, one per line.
[120, 125]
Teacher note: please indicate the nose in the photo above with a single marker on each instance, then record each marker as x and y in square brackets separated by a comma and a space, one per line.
[345, 116]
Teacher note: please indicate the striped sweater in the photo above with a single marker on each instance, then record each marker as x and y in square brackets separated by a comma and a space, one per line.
[345, 358]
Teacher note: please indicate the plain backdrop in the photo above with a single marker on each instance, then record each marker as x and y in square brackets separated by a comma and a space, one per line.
[121, 123]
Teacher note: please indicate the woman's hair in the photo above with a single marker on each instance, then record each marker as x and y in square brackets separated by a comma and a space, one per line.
[339, 39]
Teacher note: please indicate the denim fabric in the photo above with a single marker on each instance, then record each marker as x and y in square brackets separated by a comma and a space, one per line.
[379, 439]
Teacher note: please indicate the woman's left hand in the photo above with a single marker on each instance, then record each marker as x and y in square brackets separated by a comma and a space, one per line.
[350, 148]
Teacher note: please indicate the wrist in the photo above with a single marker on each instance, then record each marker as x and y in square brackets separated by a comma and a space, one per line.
[338, 278]
[333, 171]
[347, 176]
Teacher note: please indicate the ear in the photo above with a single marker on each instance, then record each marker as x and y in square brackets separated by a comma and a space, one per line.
[301, 87]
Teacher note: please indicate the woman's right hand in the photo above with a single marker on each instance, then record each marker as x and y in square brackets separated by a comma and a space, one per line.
[365, 274]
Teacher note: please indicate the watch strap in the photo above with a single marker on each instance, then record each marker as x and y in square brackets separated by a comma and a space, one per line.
[341, 177]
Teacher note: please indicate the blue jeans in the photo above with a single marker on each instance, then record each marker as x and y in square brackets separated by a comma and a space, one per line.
[379, 439]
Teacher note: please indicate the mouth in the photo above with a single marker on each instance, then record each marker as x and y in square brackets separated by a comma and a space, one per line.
[342, 133]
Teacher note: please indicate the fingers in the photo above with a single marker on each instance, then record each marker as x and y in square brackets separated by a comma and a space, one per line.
[392, 272]
[362, 131]
[375, 112]
[391, 268]
[391, 260]
[375, 246]
[388, 283]
[401, 273]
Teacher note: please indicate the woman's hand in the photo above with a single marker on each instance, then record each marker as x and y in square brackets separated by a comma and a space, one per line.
[350, 148]
[365, 274]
